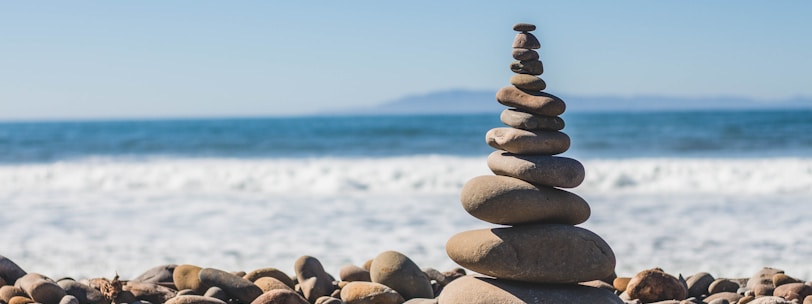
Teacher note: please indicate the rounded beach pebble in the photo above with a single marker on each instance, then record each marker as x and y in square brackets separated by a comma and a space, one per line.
[194, 299]
[540, 142]
[314, 281]
[268, 283]
[7, 292]
[534, 102]
[545, 170]
[527, 67]
[480, 290]
[270, 272]
[280, 296]
[539, 253]
[526, 40]
[186, 277]
[82, 292]
[698, 284]
[40, 288]
[351, 273]
[654, 285]
[528, 121]
[528, 82]
[525, 54]
[369, 293]
[396, 270]
[235, 286]
[510, 201]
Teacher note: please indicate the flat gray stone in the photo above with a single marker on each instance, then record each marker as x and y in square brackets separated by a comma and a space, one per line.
[539, 103]
[524, 27]
[553, 171]
[235, 286]
[528, 121]
[506, 200]
[537, 253]
[518, 141]
[525, 54]
[528, 82]
[528, 67]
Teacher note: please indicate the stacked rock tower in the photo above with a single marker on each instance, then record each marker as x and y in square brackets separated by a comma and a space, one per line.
[540, 256]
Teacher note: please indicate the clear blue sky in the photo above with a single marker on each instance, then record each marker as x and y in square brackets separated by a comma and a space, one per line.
[111, 59]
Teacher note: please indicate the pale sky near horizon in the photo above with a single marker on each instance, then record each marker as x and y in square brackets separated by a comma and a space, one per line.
[152, 59]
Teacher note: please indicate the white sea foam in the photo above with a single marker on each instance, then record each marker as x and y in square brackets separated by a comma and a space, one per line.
[99, 216]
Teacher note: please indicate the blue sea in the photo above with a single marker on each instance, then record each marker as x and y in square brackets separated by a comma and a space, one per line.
[720, 191]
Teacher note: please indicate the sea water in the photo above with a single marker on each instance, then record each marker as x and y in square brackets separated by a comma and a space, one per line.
[723, 192]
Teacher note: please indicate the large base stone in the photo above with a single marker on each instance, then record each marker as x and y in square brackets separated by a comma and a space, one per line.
[480, 290]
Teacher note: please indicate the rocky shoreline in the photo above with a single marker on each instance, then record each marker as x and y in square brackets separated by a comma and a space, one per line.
[391, 277]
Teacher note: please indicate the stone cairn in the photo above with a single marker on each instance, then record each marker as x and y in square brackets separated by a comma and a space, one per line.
[541, 256]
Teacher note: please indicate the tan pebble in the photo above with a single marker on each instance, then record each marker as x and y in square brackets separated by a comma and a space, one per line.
[353, 273]
[770, 300]
[186, 277]
[397, 271]
[808, 300]
[655, 285]
[507, 200]
[369, 293]
[620, 283]
[553, 171]
[313, 280]
[235, 286]
[781, 279]
[746, 299]
[793, 291]
[481, 290]
[528, 82]
[538, 253]
[281, 296]
[328, 300]
[763, 289]
[20, 300]
[731, 297]
[528, 142]
[763, 276]
[269, 283]
[367, 264]
[194, 299]
[270, 272]
[723, 285]
[539, 103]
[7, 292]
[40, 288]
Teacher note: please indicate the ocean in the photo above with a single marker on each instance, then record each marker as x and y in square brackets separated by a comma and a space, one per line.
[725, 192]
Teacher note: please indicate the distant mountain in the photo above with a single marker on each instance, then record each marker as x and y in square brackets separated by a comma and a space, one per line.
[482, 101]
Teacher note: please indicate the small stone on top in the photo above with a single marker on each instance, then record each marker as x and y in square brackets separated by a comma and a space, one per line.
[524, 27]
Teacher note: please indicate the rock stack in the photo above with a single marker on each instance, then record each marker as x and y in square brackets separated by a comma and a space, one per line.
[541, 256]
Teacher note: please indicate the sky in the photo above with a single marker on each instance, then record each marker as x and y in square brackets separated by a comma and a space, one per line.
[177, 59]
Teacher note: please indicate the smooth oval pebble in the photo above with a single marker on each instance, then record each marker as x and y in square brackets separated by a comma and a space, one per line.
[654, 285]
[763, 276]
[527, 67]
[770, 300]
[158, 274]
[723, 285]
[269, 283]
[280, 296]
[352, 273]
[506, 200]
[10, 271]
[7, 292]
[731, 297]
[793, 291]
[525, 54]
[524, 27]
[539, 253]
[187, 277]
[369, 293]
[553, 171]
[781, 279]
[539, 103]
[194, 299]
[83, 292]
[217, 293]
[396, 270]
[40, 288]
[235, 286]
[518, 141]
[526, 40]
[313, 280]
[21, 300]
[270, 272]
[698, 284]
[528, 82]
[69, 299]
[480, 290]
[528, 121]
[328, 300]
